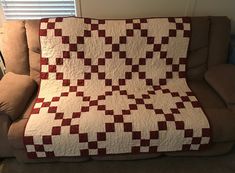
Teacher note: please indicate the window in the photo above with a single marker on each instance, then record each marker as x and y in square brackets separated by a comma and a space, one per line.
[37, 9]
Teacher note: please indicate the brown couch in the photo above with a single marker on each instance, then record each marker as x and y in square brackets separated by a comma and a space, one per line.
[211, 79]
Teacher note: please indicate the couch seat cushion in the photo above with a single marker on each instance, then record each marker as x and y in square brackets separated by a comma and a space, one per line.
[206, 95]
[128, 156]
[220, 117]
[5, 149]
[215, 149]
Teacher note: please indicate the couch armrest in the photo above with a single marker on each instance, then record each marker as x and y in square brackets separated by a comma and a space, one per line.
[222, 79]
[15, 92]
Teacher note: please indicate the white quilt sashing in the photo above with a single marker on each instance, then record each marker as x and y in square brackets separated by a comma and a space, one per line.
[114, 87]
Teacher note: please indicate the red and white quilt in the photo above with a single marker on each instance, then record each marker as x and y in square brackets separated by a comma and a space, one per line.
[114, 87]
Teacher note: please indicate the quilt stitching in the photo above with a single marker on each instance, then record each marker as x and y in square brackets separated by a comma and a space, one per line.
[74, 46]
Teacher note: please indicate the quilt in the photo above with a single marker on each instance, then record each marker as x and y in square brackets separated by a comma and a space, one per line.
[114, 87]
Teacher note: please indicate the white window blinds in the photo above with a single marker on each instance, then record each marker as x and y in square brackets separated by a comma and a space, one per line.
[37, 9]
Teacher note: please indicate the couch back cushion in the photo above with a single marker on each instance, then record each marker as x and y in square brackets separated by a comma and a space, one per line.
[198, 48]
[14, 47]
[219, 39]
[32, 33]
[210, 37]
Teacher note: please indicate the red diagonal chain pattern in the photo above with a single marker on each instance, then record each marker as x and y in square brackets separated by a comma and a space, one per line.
[114, 86]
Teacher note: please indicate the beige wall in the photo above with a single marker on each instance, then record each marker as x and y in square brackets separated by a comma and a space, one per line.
[145, 8]
[134, 8]
[148, 8]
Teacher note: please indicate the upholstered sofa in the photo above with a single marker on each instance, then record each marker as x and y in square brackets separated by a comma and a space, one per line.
[208, 75]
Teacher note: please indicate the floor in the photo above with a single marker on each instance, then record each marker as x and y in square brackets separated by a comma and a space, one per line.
[221, 164]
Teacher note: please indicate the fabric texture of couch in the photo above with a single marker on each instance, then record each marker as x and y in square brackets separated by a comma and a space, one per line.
[21, 88]
[224, 86]
[207, 55]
